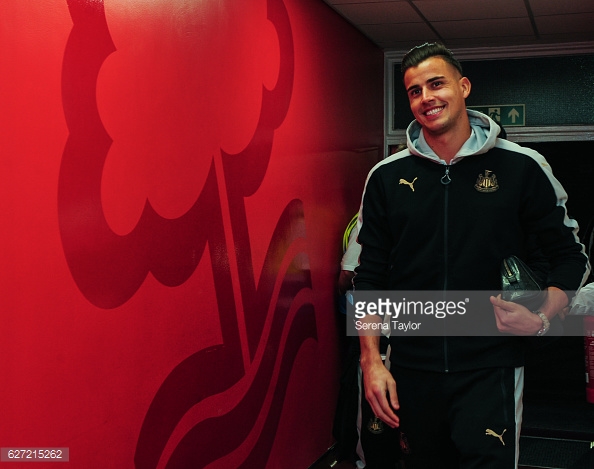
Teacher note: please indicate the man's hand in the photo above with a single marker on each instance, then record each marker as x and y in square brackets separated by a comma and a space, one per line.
[518, 320]
[513, 318]
[379, 383]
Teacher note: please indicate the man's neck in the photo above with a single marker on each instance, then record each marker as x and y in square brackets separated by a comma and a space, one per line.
[447, 145]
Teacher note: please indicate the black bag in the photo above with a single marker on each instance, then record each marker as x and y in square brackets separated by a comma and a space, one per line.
[520, 285]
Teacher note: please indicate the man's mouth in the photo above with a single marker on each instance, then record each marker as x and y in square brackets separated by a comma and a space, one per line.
[435, 110]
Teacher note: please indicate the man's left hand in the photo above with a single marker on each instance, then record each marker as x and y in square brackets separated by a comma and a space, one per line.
[518, 320]
[513, 318]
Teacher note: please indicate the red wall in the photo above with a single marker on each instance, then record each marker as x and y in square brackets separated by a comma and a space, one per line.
[175, 178]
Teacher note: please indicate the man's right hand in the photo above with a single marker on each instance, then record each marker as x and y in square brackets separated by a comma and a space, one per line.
[380, 387]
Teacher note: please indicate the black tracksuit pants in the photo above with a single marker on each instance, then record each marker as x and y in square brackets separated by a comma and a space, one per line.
[462, 420]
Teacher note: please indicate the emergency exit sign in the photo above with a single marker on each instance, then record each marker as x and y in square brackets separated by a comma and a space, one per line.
[508, 115]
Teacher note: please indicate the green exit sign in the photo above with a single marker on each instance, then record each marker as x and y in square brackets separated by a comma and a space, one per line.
[508, 115]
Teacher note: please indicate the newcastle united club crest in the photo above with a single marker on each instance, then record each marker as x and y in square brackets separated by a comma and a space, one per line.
[486, 182]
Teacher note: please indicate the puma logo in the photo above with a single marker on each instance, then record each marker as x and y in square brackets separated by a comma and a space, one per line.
[409, 184]
[490, 432]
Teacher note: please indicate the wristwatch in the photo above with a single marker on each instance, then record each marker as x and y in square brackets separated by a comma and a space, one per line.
[545, 323]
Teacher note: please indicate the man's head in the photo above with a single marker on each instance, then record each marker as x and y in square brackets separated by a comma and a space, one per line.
[437, 91]
[421, 53]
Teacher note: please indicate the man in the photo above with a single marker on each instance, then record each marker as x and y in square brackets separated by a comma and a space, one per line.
[442, 215]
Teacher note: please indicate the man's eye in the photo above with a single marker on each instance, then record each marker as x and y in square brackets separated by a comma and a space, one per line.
[437, 84]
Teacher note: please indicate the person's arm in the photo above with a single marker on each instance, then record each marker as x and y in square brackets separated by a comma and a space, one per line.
[380, 387]
[345, 281]
[348, 263]
[551, 231]
[548, 223]
[374, 237]
[371, 274]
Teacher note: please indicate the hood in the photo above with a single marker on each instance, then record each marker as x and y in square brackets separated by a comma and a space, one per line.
[483, 135]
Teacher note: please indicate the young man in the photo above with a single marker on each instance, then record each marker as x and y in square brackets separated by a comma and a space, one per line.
[428, 223]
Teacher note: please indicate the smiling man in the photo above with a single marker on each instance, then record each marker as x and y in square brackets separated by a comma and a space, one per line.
[476, 200]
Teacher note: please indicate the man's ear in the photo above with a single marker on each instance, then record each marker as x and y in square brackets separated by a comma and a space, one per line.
[466, 86]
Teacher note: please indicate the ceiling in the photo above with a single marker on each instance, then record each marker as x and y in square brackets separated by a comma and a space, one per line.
[398, 25]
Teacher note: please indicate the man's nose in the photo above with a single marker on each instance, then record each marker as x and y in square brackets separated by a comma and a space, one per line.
[427, 94]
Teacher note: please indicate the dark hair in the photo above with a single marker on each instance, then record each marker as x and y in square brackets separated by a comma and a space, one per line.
[425, 51]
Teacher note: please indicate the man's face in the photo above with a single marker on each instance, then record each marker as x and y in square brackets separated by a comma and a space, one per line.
[436, 93]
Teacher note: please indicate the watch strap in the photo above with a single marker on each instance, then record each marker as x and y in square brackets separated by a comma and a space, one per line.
[545, 323]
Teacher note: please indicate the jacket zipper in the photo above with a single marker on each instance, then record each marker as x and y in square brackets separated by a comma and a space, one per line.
[445, 180]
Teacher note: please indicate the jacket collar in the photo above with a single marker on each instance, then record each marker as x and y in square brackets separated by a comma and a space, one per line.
[483, 135]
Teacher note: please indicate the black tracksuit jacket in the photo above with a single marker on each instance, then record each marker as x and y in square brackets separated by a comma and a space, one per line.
[417, 233]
